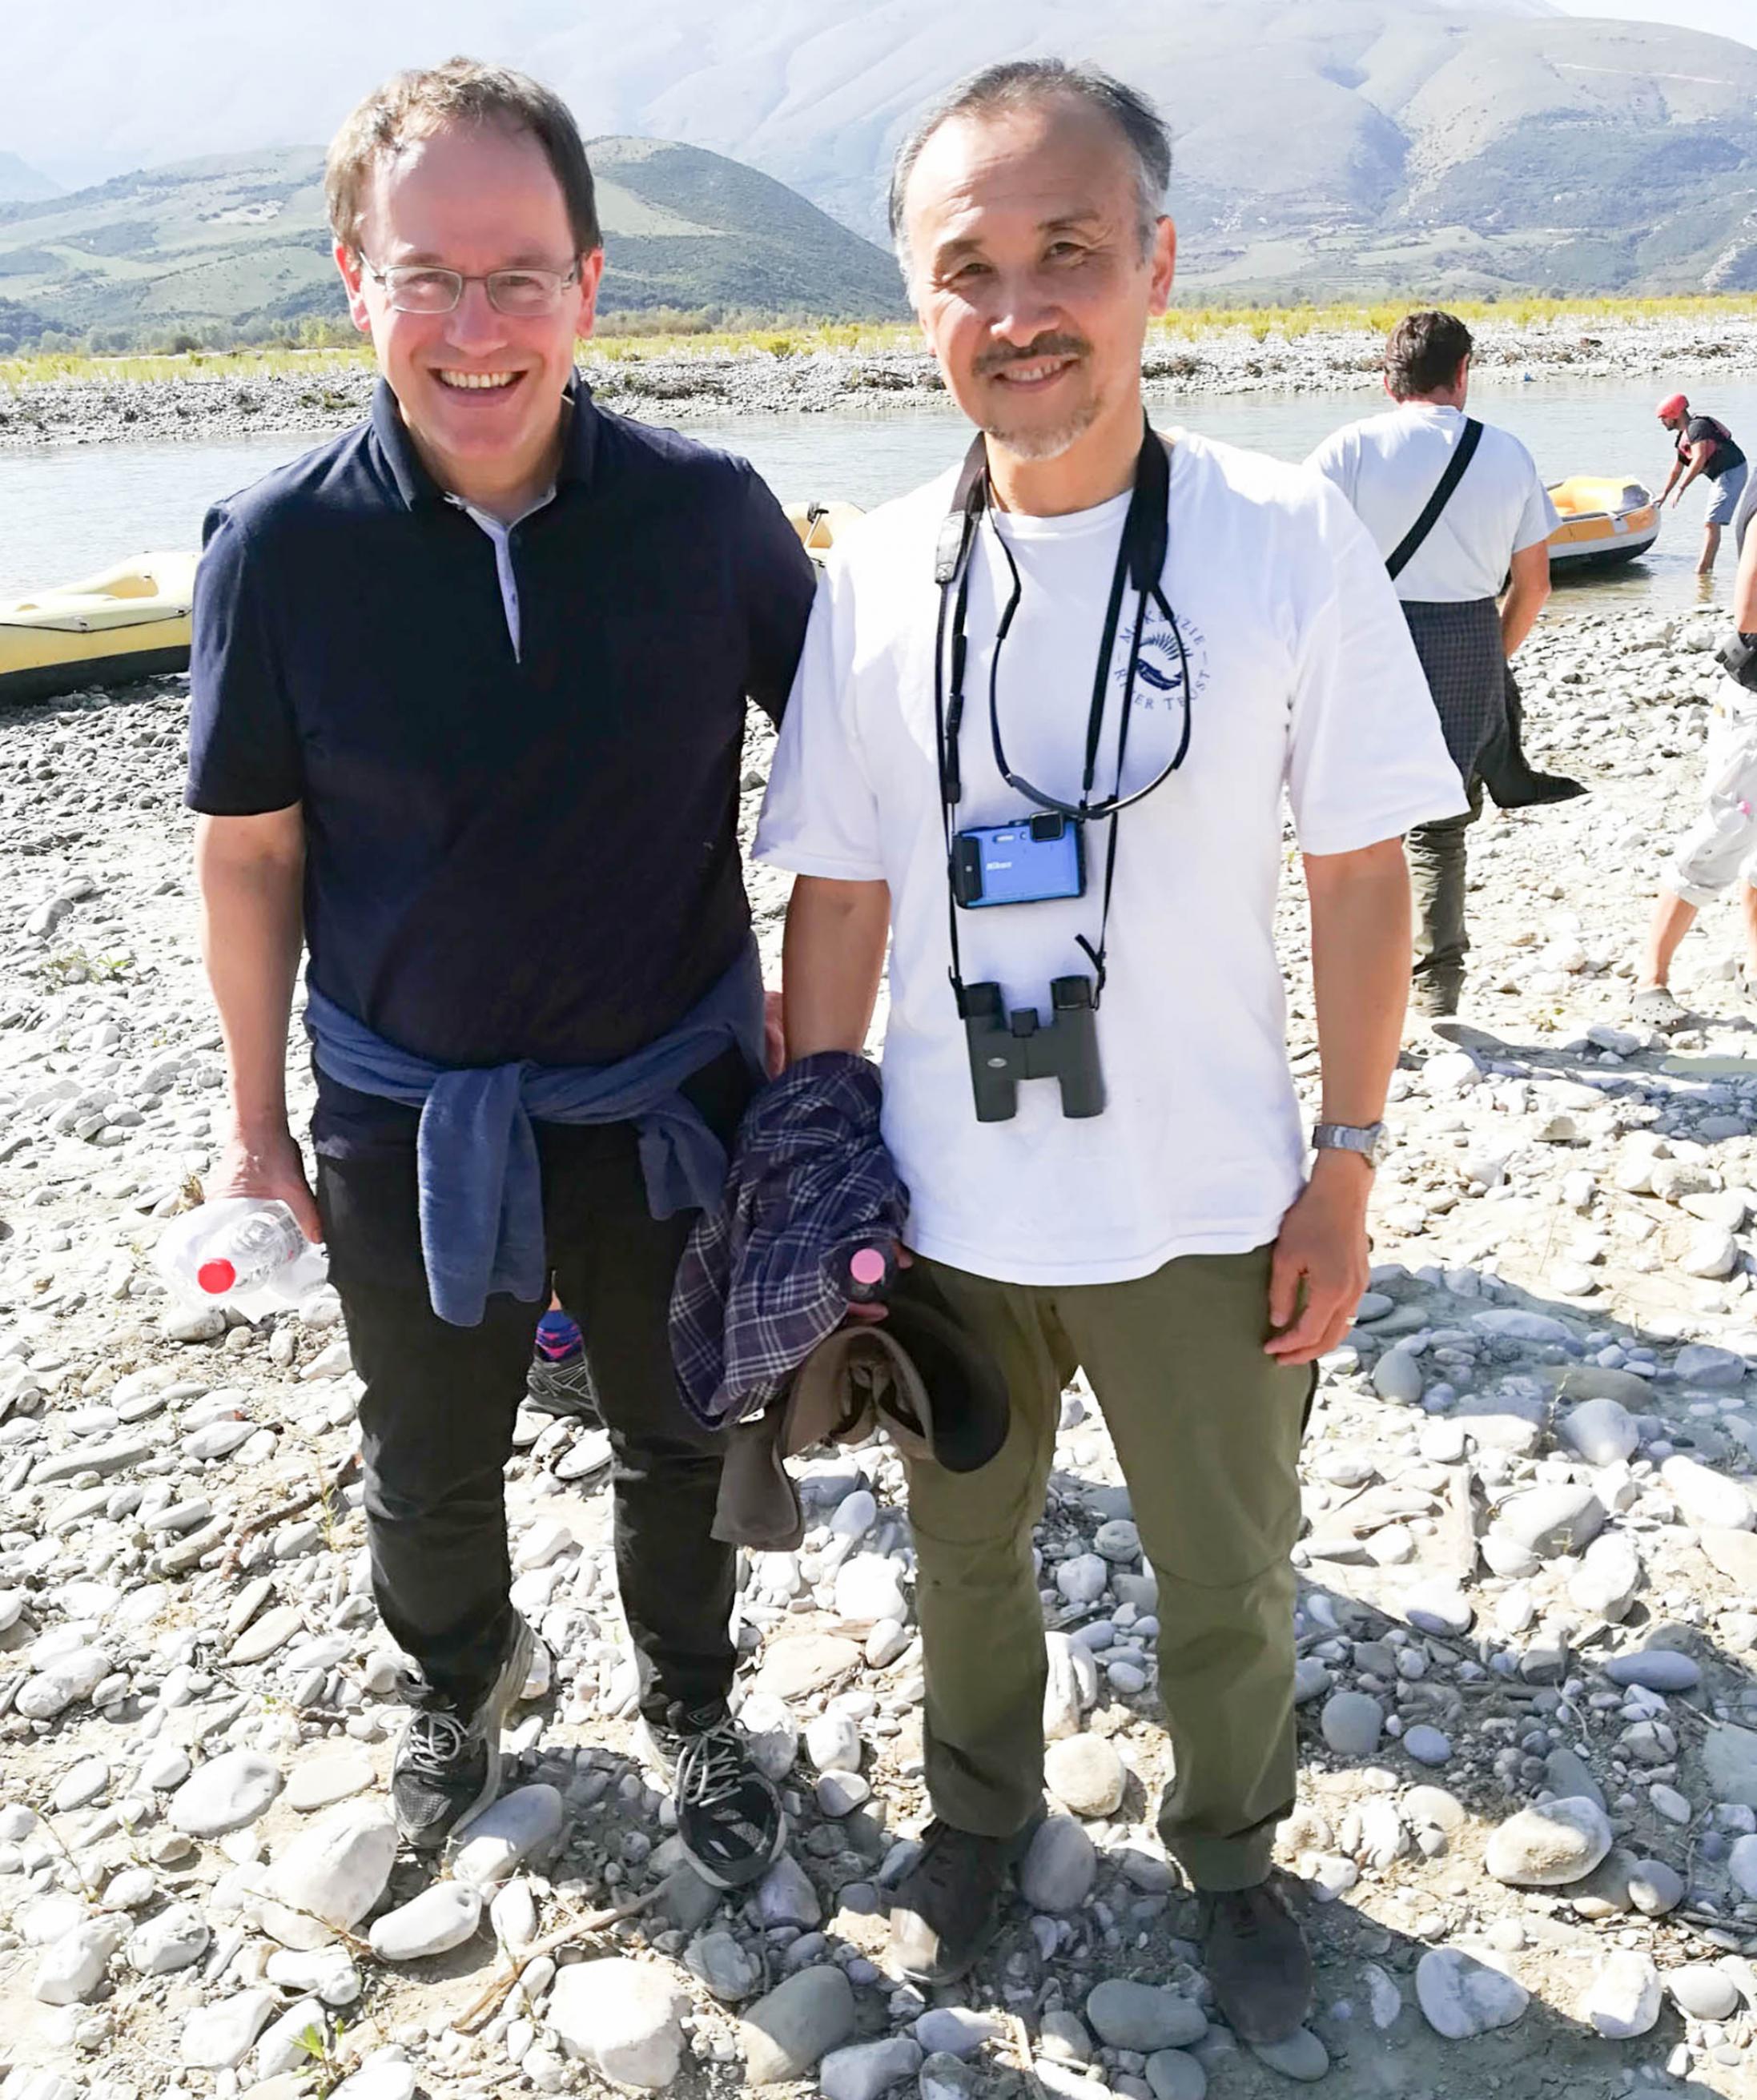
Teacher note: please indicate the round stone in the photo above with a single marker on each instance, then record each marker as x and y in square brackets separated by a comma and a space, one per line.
[1144, 2017]
[1656, 1668]
[225, 1794]
[1086, 1774]
[1059, 1866]
[1461, 1996]
[438, 1919]
[317, 1782]
[1550, 1845]
[1703, 1990]
[1351, 1723]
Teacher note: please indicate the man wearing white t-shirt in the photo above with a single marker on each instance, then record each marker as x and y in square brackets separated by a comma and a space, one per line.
[1086, 1090]
[1449, 559]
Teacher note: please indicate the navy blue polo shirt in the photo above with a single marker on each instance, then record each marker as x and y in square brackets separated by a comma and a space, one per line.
[528, 854]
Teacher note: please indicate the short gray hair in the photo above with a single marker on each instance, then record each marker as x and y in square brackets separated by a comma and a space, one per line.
[1020, 83]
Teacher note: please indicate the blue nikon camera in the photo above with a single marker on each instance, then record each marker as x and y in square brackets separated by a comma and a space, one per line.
[1029, 861]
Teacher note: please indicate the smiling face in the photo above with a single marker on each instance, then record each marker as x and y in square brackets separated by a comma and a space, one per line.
[1023, 233]
[480, 390]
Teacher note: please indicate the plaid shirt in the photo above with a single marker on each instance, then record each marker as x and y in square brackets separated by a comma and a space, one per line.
[763, 1278]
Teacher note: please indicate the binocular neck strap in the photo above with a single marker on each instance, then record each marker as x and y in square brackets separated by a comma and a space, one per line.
[1140, 566]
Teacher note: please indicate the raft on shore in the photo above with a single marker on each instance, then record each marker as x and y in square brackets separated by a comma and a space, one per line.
[131, 622]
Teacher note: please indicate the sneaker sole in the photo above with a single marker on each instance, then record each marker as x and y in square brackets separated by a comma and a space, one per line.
[503, 1696]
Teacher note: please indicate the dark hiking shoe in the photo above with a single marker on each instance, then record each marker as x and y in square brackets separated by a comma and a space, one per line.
[447, 1765]
[1434, 997]
[730, 1817]
[1257, 1960]
[566, 1387]
[947, 1906]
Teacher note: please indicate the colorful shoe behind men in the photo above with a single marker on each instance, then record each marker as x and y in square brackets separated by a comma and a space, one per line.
[447, 1765]
[730, 1816]
[561, 1378]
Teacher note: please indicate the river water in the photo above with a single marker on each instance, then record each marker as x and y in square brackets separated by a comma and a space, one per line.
[65, 511]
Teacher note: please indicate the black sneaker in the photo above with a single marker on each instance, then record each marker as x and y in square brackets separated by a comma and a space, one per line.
[730, 1817]
[447, 1765]
[563, 1388]
[947, 1907]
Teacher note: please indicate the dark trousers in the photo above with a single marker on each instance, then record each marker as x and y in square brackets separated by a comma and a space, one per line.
[1437, 867]
[436, 1416]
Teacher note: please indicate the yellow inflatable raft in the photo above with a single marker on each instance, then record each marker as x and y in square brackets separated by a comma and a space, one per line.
[1606, 519]
[820, 525]
[131, 622]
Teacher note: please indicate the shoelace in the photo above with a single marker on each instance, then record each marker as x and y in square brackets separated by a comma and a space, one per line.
[434, 1743]
[711, 1767]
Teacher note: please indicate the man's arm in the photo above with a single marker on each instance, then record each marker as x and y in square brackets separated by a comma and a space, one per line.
[832, 956]
[1526, 595]
[1701, 452]
[1745, 584]
[249, 873]
[1360, 917]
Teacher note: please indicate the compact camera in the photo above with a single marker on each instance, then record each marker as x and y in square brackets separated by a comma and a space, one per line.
[1029, 861]
[1006, 1047]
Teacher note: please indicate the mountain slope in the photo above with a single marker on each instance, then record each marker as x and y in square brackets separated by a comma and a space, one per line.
[1321, 144]
[20, 183]
[238, 238]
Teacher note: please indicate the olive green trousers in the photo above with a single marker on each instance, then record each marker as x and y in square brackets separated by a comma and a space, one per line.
[1207, 1428]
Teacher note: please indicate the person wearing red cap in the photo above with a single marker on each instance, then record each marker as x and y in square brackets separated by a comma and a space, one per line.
[1704, 446]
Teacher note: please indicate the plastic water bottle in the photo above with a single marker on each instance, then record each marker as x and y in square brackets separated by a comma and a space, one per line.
[870, 1271]
[240, 1251]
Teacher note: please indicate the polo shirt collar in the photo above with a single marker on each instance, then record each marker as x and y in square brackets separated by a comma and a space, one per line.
[416, 485]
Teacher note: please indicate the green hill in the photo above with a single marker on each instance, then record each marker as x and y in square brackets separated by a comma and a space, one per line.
[238, 243]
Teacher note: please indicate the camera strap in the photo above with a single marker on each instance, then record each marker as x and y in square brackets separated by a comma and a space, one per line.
[1140, 565]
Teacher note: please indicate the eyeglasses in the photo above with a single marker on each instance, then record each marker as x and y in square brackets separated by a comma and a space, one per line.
[418, 287]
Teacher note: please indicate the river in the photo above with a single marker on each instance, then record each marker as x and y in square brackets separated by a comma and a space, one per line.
[67, 510]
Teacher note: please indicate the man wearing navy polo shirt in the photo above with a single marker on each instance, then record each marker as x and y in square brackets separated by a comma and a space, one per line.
[469, 689]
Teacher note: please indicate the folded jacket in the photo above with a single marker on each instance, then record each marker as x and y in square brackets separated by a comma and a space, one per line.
[481, 1189]
[764, 1276]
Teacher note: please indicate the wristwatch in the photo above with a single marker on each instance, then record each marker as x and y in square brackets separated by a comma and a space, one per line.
[1367, 1139]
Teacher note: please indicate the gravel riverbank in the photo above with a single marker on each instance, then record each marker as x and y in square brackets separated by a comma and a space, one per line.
[1526, 1844]
[713, 385]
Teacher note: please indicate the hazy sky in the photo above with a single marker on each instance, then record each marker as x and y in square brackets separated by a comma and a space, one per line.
[94, 93]
[1725, 18]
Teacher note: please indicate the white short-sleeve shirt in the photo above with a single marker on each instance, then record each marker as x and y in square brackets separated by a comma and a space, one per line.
[1301, 679]
[1389, 465]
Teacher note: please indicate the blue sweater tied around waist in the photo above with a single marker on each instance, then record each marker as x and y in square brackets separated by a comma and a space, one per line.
[481, 1190]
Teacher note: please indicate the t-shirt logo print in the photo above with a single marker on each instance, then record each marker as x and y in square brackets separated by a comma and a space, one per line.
[1159, 671]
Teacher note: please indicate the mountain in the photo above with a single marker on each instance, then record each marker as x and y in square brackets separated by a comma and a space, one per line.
[1322, 145]
[242, 238]
[20, 183]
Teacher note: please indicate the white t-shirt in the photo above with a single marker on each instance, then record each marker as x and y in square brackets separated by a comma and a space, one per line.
[1388, 467]
[1301, 673]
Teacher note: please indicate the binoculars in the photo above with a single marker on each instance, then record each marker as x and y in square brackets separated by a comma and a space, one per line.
[1006, 1047]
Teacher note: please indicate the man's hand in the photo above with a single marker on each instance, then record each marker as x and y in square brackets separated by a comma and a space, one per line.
[1320, 1264]
[267, 1166]
[773, 1036]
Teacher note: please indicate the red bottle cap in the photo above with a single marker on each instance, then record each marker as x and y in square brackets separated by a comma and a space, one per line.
[216, 1277]
[867, 1265]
